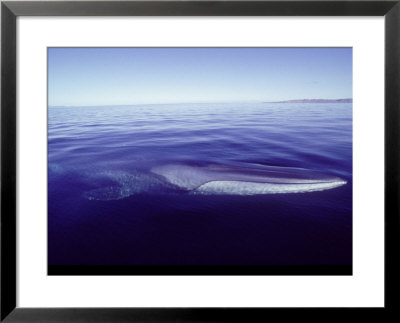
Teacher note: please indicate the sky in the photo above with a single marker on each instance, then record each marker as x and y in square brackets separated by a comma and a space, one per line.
[124, 76]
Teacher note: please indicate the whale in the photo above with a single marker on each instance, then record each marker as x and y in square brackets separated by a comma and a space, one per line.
[248, 179]
[206, 178]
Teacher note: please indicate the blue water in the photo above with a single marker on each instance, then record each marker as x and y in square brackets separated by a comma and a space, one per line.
[200, 184]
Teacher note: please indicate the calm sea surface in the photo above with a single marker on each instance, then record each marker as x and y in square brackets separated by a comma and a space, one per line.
[109, 203]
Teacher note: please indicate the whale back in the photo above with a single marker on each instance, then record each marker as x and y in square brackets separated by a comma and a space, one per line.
[192, 177]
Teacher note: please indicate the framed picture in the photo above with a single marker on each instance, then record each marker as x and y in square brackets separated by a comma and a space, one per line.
[199, 157]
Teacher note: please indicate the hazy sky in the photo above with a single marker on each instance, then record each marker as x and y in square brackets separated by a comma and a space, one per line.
[118, 76]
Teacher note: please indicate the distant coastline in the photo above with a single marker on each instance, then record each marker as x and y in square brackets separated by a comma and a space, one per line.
[316, 101]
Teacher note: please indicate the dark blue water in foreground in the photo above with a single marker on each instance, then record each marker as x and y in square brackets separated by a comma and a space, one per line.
[200, 184]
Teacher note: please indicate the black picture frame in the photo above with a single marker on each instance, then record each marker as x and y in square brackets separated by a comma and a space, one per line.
[10, 10]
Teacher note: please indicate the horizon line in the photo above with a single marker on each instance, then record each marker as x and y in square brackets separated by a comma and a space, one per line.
[198, 102]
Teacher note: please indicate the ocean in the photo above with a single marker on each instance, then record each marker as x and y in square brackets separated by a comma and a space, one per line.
[210, 184]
